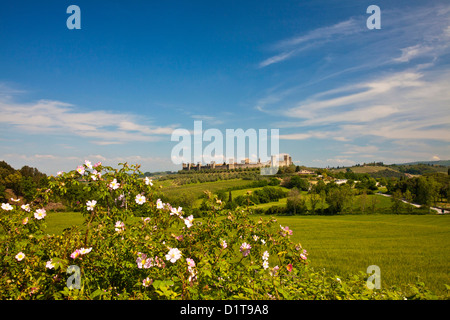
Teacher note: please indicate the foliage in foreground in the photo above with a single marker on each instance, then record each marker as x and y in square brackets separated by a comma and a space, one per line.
[165, 255]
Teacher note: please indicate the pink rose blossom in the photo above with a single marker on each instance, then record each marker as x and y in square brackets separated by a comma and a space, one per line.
[147, 282]
[88, 164]
[245, 248]
[20, 256]
[75, 254]
[40, 214]
[190, 262]
[80, 170]
[97, 164]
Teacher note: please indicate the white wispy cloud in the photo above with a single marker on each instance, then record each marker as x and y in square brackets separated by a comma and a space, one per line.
[406, 34]
[342, 28]
[292, 46]
[386, 97]
[50, 117]
[365, 97]
[396, 106]
[412, 52]
[277, 58]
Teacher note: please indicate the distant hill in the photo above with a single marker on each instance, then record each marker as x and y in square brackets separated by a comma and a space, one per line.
[445, 163]
[379, 170]
[422, 167]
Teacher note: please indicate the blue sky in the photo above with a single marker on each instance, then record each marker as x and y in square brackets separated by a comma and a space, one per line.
[115, 90]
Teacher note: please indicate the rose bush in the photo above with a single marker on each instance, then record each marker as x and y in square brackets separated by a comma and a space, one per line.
[134, 246]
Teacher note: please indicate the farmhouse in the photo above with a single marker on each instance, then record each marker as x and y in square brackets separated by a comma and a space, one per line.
[340, 181]
[244, 164]
[304, 171]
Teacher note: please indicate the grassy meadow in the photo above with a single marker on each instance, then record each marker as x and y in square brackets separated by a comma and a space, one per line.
[405, 247]
[197, 188]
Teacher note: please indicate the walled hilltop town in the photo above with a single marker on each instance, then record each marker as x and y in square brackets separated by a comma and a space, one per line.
[284, 162]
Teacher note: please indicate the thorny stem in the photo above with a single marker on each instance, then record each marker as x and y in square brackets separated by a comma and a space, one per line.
[281, 264]
[217, 258]
[183, 289]
[88, 227]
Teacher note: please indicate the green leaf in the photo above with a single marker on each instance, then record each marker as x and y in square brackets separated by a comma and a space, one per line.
[97, 294]
[167, 283]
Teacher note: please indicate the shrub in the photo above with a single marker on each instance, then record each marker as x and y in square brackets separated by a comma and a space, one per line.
[165, 255]
[276, 210]
[297, 182]
[296, 206]
[134, 246]
[267, 194]
[338, 199]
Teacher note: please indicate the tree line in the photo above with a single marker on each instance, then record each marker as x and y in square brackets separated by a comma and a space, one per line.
[427, 190]
[24, 182]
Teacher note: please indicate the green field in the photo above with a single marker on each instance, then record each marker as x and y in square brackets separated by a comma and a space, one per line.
[197, 189]
[242, 192]
[403, 246]
[58, 221]
[282, 203]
